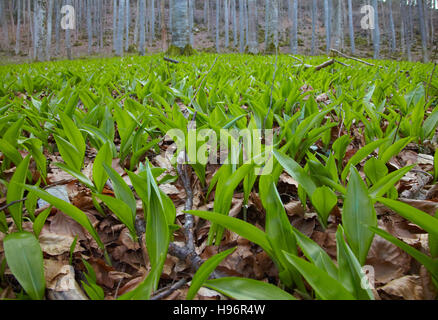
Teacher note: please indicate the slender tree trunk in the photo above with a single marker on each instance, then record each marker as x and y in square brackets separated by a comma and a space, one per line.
[120, 28]
[49, 29]
[351, 27]
[57, 27]
[180, 34]
[273, 21]
[18, 31]
[234, 15]
[142, 26]
[136, 22]
[293, 18]
[41, 25]
[163, 27]
[314, 25]
[152, 20]
[67, 37]
[218, 11]
[376, 31]
[89, 26]
[241, 28]
[245, 15]
[170, 15]
[253, 46]
[405, 15]
[226, 24]
[115, 13]
[127, 20]
[191, 7]
[391, 26]
[327, 25]
[423, 32]
[4, 23]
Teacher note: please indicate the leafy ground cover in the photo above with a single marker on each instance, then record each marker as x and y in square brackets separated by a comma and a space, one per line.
[94, 207]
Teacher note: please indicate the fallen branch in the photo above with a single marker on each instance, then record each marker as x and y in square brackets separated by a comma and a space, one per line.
[352, 58]
[165, 292]
[325, 64]
[170, 60]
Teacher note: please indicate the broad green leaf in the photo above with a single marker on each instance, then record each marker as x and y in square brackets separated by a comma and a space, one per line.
[315, 254]
[121, 189]
[242, 228]
[205, 270]
[25, 260]
[40, 221]
[324, 285]
[324, 200]
[69, 209]
[72, 133]
[69, 153]
[77, 174]
[420, 218]
[358, 213]
[248, 289]
[122, 212]
[385, 183]
[296, 172]
[360, 155]
[350, 271]
[16, 192]
[99, 174]
[375, 169]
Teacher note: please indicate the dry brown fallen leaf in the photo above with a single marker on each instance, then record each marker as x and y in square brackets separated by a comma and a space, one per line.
[406, 288]
[389, 261]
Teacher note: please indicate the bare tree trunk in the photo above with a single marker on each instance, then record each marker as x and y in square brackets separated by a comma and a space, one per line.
[234, 15]
[115, 13]
[241, 28]
[136, 22]
[376, 31]
[18, 31]
[253, 46]
[273, 21]
[67, 37]
[49, 29]
[57, 27]
[120, 28]
[351, 27]
[218, 11]
[245, 14]
[191, 7]
[89, 26]
[127, 20]
[180, 34]
[142, 26]
[293, 18]
[4, 23]
[226, 24]
[392, 27]
[314, 24]
[152, 20]
[423, 30]
[327, 25]
[163, 27]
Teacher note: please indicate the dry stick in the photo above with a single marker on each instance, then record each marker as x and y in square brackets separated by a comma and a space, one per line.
[325, 64]
[352, 58]
[170, 60]
[169, 290]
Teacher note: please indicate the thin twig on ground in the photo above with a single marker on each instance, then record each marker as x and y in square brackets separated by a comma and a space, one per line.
[352, 58]
[169, 290]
